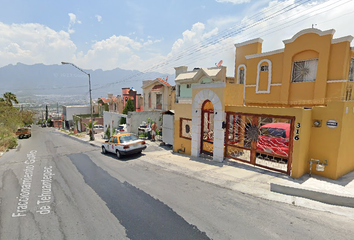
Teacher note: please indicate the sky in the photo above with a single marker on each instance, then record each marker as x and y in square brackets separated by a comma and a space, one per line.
[157, 35]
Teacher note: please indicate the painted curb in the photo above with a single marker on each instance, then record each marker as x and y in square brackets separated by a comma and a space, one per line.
[313, 195]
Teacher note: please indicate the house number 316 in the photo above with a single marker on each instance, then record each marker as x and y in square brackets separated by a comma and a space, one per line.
[297, 132]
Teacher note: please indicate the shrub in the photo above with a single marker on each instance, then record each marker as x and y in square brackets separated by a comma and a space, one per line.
[108, 132]
[8, 143]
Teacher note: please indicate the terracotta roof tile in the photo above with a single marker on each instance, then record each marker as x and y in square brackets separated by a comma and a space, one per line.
[164, 82]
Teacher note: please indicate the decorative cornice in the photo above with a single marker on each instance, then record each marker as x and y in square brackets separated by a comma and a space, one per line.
[309, 30]
[264, 54]
[209, 85]
[337, 81]
[256, 40]
[348, 38]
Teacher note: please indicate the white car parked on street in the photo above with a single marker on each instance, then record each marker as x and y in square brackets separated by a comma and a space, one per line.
[123, 144]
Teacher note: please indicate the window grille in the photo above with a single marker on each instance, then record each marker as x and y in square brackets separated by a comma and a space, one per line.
[351, 70]
[264, 68]
[304, 71]
[242, 76]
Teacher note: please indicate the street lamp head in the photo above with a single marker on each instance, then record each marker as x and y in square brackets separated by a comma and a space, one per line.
[65, 63]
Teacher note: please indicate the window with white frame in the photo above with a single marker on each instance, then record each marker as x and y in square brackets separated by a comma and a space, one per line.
[304, 71]
[264, 80]
[241, 74]
[351, 70]
[158, 101]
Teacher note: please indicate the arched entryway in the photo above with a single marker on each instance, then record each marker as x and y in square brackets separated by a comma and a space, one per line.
[207, 125]
[218, 116]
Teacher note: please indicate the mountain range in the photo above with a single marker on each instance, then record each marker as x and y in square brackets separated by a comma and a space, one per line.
[65, 80]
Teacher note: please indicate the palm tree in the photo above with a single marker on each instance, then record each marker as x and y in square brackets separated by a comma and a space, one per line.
[9, 98]
[89, 125]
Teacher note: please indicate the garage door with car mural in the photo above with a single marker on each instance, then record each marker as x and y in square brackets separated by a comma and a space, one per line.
[260, 140]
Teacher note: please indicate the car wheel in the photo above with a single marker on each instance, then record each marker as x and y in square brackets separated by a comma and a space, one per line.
[104, 150]
[118, 154]
[20, 137]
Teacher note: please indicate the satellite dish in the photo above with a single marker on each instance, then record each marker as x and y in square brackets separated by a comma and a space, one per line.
[219, 64]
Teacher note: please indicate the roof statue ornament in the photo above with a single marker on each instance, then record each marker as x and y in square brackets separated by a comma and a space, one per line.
[219, 64]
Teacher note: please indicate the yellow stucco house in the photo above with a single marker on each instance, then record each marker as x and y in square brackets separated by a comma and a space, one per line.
[288, 110]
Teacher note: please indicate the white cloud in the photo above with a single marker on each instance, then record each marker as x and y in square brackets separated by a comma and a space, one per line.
[34, 43]
[233, 1]
[99, 18]
[73, 20]
[200, 46]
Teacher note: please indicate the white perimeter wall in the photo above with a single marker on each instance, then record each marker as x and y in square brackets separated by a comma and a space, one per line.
[134, 119]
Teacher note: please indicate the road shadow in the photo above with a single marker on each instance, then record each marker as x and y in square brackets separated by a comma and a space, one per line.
[124, 158]
[157, 146]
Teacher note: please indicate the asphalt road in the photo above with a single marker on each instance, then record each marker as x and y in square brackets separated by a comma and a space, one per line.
[56, 187]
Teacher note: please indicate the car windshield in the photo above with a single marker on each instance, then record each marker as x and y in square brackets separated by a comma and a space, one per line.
[127, 138]
[273, 132]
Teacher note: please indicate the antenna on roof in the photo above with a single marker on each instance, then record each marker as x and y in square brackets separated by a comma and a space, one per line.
[219, 64]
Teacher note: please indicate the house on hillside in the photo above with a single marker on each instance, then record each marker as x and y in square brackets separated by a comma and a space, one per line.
[283, 110]
[134, 96]
[156, 95]
[111, 104]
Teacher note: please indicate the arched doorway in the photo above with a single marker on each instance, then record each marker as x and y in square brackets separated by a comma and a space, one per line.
[207, 128]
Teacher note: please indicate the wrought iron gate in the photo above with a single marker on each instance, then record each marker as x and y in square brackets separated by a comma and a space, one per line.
[207, 136]
[261, 140]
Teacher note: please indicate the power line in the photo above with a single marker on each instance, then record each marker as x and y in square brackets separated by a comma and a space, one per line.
[225, 36]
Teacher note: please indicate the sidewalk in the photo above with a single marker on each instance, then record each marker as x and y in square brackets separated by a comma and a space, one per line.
[336, 196]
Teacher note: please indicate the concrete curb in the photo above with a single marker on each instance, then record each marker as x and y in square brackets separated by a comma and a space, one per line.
[82, 140]
[313, 195]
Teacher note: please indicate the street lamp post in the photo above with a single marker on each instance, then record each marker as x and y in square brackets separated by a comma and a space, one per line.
[92, 137]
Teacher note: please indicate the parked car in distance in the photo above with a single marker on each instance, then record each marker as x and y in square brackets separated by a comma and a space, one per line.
[121, 129]
[123, 144]
[23, 132]
[97, 128]
[274, 138]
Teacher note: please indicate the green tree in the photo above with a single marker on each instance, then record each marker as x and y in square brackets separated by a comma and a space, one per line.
[49, 122]
[129, 107]
[9, 98]
[27, 117]
[108, 132]
[89, 124]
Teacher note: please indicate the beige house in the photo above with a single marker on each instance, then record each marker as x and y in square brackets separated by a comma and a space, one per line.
[156, 95]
